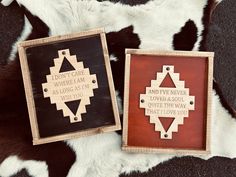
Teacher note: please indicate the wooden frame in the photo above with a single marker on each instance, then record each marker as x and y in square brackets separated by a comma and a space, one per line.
[22, 46]
[141, 149]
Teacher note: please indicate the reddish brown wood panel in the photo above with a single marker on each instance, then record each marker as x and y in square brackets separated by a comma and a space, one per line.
[190, 135]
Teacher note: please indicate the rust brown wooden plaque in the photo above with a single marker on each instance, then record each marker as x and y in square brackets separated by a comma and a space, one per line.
[69, 87]
[167, 103]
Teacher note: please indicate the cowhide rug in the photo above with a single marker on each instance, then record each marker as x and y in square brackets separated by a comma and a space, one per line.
[155, 24]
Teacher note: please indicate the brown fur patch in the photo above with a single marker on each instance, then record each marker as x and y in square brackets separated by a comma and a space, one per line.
[15, 130]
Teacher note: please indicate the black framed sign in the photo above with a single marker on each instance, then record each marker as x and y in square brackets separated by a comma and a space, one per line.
[69, 86]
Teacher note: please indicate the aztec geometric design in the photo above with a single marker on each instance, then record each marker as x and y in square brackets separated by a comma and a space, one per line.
[167, 102]
[69, 85]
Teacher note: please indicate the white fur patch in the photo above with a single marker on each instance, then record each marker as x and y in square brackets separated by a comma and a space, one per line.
[13, 164]
[149, 20]
[113, 58]
[24, 34]
[119, 102]
[6, 2]
[66, 16]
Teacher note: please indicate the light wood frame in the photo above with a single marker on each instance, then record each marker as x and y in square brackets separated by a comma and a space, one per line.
[22, 46]
[210, 58]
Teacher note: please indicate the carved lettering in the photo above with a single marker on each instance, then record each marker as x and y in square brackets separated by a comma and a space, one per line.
[77, 84]
[167, 101]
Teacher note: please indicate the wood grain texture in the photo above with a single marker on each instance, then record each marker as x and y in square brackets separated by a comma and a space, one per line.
[47, 123]
[166, 105]
[195, 69]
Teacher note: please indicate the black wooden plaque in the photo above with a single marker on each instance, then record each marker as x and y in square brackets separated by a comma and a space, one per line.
[102, 110]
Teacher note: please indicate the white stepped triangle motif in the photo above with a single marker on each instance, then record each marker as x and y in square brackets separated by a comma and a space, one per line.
[64, 87]
[167, 102]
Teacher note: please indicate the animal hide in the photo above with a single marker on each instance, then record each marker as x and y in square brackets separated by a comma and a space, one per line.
[157, 24]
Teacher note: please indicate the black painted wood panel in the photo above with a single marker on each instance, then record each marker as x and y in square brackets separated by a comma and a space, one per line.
[99, 112]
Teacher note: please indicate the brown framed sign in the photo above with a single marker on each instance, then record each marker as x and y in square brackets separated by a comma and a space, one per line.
[167, 101]
[69, 87]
